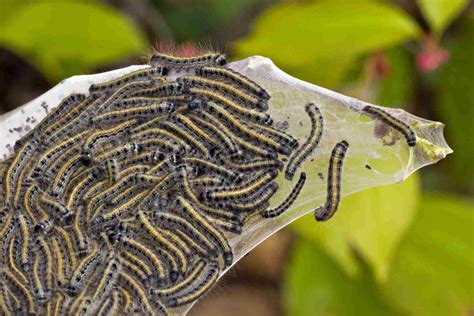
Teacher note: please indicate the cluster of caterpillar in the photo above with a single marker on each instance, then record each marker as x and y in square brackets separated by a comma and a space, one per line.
[122, 201]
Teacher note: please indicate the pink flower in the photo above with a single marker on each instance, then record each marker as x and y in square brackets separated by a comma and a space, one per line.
[431, 55]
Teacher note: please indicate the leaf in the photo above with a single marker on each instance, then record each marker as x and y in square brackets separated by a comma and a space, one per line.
[328, 72]
[440, 13]
[68, 38]
[372, 221]
[7, 8]
[314, 285]
[297, 35]
[455, 104]
[433, 270]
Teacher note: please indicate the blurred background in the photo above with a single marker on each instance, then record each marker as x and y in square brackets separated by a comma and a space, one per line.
[403, 249]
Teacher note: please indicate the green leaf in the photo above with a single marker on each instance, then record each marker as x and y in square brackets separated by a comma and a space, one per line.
[299, 35]
[440, 13]
[314, 285]
[68, 38]
[324, 71]
[455, 105]
[7, 8]
[433, 270]
[372, 222]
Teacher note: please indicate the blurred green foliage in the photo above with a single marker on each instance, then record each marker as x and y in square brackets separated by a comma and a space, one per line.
[315, 285]
[396, 89]
[320, 41]
[440, 13]
[371, 221]
[455, 104]
[431, 271]
[210, 15]
[393, 250]
[63, 39]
